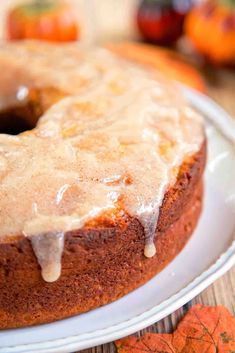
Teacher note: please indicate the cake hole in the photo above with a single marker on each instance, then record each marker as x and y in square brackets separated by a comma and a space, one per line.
[13, 124]
[16, 121]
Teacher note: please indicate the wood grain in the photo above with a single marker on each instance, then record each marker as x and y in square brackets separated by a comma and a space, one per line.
[221, 87]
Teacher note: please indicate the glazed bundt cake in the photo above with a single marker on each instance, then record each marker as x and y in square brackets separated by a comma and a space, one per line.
[100, 179]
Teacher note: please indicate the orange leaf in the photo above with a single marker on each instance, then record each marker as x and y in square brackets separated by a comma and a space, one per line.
[150, 342]
[206, 329]
[203, 330]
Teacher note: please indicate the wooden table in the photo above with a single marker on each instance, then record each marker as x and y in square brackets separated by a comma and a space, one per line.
[221, 84]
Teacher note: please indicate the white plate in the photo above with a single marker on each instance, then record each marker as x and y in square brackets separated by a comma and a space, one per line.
[208, 255]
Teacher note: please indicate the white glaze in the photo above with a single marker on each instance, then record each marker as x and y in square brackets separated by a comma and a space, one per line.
[116, 142]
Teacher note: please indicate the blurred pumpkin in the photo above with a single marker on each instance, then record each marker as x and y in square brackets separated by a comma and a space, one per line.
[161, 21]
[164, 60]
[211, 28]
[42, 19]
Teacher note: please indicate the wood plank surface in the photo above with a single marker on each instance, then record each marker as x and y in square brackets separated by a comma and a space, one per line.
[221, 86]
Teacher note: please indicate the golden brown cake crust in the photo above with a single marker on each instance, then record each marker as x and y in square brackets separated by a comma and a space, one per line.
[102, 262]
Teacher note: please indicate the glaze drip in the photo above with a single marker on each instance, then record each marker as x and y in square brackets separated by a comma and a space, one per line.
[48, 249]
[116, 142]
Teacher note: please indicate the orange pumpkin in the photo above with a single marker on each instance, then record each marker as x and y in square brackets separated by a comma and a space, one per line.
[211, 28]
[42, 19]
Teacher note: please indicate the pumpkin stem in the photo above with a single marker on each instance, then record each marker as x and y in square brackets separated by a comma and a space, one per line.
[158, 2]
[36, 7]
[228, 3]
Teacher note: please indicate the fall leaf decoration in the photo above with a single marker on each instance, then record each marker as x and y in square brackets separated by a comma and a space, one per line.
[204, 329]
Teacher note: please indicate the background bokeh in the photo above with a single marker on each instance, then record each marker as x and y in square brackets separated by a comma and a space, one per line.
[107, 18]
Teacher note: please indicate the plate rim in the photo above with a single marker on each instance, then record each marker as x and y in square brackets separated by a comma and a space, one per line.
[124, 328]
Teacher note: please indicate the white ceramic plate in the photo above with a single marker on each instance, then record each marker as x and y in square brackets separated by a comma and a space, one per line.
[208, 255]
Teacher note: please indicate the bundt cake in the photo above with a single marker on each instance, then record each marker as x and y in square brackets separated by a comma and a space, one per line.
[101, 184]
